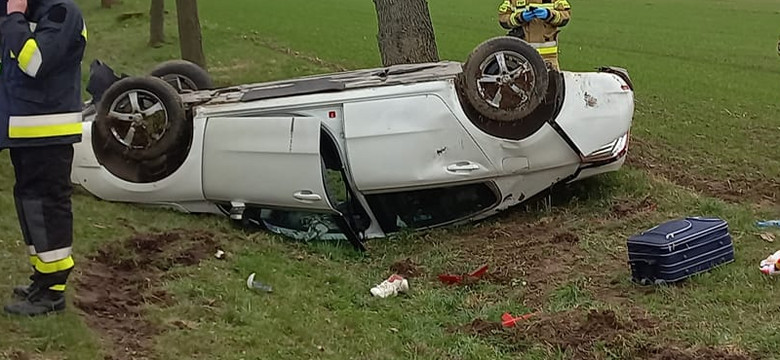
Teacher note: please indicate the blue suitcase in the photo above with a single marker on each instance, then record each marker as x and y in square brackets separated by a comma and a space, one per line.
[679, 249]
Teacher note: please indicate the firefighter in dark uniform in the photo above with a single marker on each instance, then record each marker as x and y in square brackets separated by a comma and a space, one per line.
[43, 43]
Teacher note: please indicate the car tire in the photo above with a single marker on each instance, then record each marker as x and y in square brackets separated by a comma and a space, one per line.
[183, 75]
[522, 81]
[141, 118]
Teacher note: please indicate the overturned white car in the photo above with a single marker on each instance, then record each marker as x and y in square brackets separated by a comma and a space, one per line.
[359, 154]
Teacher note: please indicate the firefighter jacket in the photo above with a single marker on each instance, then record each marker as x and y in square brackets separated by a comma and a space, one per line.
[542, 34]
[40, 75]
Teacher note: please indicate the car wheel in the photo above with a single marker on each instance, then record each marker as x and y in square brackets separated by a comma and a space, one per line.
[183, 75]
[141, 118]
[504, 79]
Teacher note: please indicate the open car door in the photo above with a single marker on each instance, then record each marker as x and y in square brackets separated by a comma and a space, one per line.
[269, 163]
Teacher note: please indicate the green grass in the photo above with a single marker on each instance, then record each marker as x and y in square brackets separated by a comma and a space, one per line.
[705, 97]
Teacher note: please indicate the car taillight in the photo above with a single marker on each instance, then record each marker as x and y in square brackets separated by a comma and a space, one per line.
[613, 149]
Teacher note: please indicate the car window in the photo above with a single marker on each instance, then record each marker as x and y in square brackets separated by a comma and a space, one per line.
[431, 207]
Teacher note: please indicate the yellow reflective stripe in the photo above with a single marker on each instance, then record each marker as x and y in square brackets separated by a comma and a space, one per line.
[84, 31]
[44, 130]
[57, 287]
[504, 7]
[13, 56]
[546, 6]
[45, 125]
[53, 267]
[30, 58]
[33, 260]
[513, 18]
[562, 5]
[548, 50]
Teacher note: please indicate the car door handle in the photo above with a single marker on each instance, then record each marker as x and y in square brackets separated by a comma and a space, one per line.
[307, 196]
[464, 166]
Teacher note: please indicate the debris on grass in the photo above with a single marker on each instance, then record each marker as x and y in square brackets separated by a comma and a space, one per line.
[770, 223]
[508, 320]
[465, 279]
[771, 265]
[394, 285]
[115, 286]
[219, 254]
[768, 237]
[256, 285]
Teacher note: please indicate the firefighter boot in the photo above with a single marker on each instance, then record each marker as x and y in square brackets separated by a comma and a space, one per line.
[22, 292]
[39, 302]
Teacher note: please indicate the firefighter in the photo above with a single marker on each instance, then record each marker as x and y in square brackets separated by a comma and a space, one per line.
[43, 43]
[538, 23]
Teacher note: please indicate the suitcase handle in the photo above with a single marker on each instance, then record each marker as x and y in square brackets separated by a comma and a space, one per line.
[671, 235]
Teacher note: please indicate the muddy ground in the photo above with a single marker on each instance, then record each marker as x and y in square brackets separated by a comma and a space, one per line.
[535, 253]
[752, 188]
[587, 335]
[117, 283]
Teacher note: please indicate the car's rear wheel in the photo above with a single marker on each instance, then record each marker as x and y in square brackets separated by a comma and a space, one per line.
[141, 118]
[183, 75]
[504, 79]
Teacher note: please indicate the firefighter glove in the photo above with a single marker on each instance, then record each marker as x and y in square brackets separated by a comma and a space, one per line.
[542, 13]
[528, 15]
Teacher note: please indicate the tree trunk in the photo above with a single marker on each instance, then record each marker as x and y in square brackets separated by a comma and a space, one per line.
[405, 32]
[157, 23]
[106, 4]
[190, 38]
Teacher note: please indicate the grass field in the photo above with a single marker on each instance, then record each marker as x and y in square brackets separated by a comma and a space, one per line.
[705, 143]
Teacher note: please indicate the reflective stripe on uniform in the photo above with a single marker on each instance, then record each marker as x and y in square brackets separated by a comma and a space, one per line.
[45, 125]
[30, 58]
[513, 18]
[56, 266]
[55, 255]
[31, 250]
[33, 260]
[57, 287]
[546, 48]
[84, 31]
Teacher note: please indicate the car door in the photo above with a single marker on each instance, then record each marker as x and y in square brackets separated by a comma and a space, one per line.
[269, 161]
[410, 141]
[416, 164]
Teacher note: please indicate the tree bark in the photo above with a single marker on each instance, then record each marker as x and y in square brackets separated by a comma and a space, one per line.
[190, 38]
[157, 23]
[405, 32]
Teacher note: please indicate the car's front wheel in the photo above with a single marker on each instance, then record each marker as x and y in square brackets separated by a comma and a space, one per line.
[504, 79]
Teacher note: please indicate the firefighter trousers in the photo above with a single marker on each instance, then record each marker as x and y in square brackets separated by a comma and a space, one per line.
[42, 195]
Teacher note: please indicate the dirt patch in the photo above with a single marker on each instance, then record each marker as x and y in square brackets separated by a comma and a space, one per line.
[578, 333]
[673, 353]
[565, 237]
[624, 208]
[406, 268]
[738, 187]
[115, 285]
[522, 251]
[585, 335]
